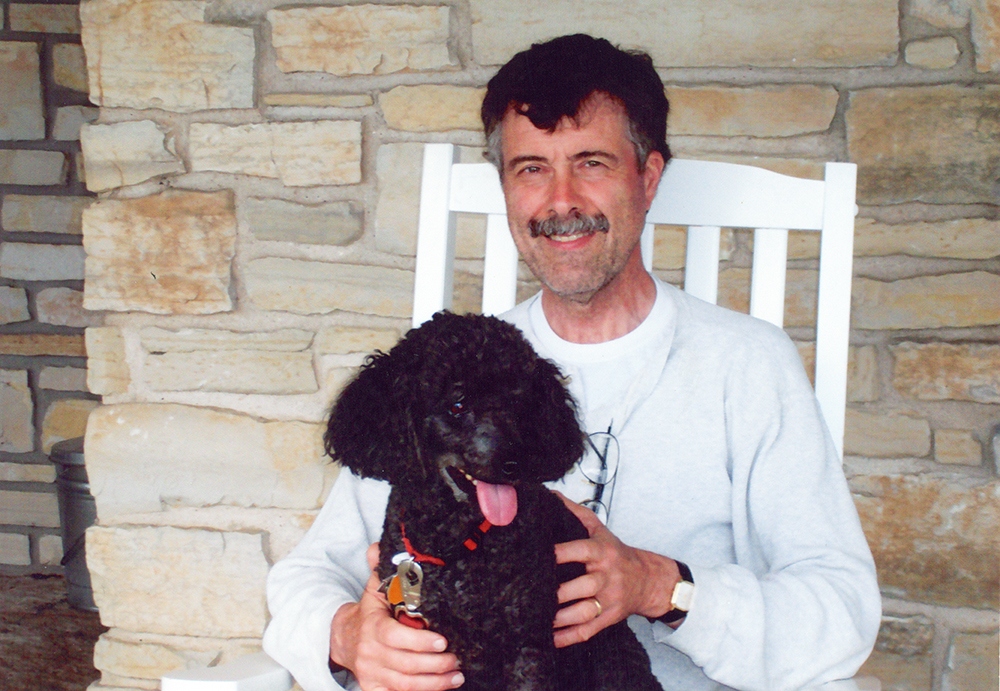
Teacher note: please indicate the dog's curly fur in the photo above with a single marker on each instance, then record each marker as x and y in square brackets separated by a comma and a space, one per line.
[469, 393]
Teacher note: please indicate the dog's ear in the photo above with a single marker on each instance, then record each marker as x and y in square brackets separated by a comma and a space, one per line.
[368, 430]
[557, 422]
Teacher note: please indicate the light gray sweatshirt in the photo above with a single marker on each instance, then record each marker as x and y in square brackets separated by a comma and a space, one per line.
[724, 464]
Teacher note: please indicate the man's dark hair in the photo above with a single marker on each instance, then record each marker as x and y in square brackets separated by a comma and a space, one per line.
[553, 80]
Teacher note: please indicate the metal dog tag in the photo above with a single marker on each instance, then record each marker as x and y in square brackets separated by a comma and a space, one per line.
[411, 576]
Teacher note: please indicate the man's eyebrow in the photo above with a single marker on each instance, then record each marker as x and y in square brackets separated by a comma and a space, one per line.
[527, 158]
[597, 153]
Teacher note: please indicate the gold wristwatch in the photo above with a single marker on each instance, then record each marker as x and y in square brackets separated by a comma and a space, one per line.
[681, 598]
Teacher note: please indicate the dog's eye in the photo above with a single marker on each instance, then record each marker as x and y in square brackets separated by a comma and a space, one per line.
[456, 409]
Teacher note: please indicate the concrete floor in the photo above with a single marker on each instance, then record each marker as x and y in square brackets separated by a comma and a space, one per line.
[45, 645]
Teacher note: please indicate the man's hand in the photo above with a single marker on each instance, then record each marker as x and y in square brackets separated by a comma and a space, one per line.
[385, 655]
[623, 580]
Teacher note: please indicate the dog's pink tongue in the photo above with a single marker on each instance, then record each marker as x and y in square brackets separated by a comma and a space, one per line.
[497, 502]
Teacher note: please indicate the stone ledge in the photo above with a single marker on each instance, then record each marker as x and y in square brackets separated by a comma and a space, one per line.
[36, 509]
[947, 372]
[299, 154]
[232, 371]
[333, 223]
[15, 549]
[64, 419]
[142, 457]
[183, 582]
[42, 344]
[972, 662]
[886, 435]
[23, 167]
[127, 153]
[168, 253]
[17, 431]
[362, 39]
[149, 656]
[927, 302]
[285, 528]
[50, 19]
[773, 111]
[433, 108]
[13, 305]
[36, 262]
[932, 144]
[21, 115]
[934, 540]
[131, 48]
[107, 364]
[43, 213]
[824, 33]
[310, 287]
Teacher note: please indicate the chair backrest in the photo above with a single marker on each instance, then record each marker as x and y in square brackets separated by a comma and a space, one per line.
[706, 196]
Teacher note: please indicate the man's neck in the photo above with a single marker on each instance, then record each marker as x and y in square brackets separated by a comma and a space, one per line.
[610, 313]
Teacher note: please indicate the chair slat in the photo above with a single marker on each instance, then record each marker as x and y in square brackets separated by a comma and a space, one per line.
[434, 270]
[767, 279]
[701, 266]
[499, 267]
[833, 320]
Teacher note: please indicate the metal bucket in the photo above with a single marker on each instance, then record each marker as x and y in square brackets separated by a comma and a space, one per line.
[77, 512]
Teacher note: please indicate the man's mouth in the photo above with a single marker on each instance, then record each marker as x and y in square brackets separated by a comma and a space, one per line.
[497, 502]
[568, 238]
[568, 228]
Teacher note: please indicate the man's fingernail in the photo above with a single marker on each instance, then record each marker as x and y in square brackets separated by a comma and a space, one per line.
[440, 645]
[458, 679]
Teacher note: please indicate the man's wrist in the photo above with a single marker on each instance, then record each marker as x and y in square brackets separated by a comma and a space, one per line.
[680, 598]
[340, 632]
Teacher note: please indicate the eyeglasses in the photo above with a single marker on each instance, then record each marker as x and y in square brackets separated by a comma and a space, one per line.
[599, 465]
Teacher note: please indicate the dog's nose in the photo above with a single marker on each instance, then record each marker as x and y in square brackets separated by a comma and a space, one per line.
[509, 468]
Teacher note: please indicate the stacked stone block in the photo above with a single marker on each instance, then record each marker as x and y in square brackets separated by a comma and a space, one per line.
[257, 172]
[43, 391]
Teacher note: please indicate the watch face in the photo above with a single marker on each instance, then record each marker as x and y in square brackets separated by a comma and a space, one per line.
[682, 596]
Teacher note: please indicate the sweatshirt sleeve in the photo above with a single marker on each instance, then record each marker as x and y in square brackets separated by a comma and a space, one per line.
[326, 570]
[800, 606]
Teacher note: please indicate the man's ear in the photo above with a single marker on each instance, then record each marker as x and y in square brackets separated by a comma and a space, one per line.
[651, 174]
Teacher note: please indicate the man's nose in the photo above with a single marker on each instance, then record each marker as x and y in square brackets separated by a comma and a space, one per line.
[564, 194]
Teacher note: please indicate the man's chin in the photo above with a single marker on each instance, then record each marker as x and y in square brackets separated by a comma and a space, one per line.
[580, 291]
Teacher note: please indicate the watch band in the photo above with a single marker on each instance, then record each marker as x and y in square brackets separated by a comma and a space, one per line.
[680, 599]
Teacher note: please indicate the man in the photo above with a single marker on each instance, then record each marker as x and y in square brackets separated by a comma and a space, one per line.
[725, 476]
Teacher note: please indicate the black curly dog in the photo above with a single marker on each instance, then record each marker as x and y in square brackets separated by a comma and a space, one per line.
[465, 421]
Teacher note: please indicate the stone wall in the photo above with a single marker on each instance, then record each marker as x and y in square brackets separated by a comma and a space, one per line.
[43, 388]
[256, 166]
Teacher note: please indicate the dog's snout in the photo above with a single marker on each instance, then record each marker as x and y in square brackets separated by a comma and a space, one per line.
[509, 468]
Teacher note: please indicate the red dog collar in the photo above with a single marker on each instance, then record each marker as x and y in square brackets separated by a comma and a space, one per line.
[403, 592]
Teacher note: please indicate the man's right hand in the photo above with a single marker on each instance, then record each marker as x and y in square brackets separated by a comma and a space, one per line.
[385, 655]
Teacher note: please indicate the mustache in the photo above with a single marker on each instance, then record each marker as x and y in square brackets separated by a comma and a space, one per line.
[573, 224]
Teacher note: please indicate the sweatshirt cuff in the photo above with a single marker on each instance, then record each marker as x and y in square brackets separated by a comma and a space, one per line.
[722, 596]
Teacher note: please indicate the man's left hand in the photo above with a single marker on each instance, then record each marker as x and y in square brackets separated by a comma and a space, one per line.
[620, 581]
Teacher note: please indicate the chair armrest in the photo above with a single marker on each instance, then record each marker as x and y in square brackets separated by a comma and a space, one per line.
[256, 672]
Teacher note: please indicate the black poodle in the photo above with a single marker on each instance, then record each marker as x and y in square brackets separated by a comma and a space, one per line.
[465, 421]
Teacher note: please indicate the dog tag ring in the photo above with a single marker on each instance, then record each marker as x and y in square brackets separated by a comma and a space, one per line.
[411, 577]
